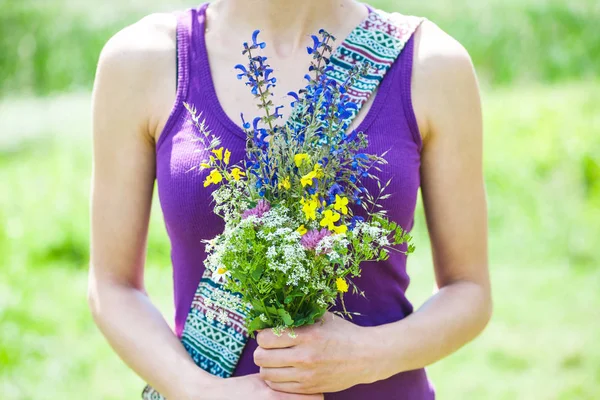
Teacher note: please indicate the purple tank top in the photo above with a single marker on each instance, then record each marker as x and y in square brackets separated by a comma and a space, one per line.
[186, 204]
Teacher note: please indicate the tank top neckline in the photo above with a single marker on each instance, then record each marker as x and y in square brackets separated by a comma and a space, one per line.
[210, 93]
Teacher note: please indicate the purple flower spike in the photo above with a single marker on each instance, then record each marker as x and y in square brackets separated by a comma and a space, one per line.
[261, 208]
[311, 239]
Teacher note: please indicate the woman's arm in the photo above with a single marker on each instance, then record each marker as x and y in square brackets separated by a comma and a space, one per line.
[338, 354]
[133, 94]
[447, 95]
[122, 184]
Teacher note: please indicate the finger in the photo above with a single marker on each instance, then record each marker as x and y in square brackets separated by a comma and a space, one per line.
[268, 340]
[286, 374]
[290, 396]
[275, 358]
[291, 387]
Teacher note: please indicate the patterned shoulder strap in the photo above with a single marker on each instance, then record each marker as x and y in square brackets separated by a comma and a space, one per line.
[378, 40]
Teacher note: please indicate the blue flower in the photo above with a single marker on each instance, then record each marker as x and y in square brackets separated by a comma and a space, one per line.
[355, 220]
[262, 45]
[296, 98]
[255, 122]
[335, 189]
[316, 44]
[270, 81]
[351, 137]
[245, 124]
[243, 69]
[356, 197]
[277, 115]
[357, 163]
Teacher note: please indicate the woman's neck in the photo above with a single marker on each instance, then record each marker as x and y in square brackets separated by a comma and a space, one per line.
[284, 24]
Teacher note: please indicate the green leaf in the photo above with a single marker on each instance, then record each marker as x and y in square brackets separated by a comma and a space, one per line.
[287, 319]
[257, 273]
[257, 324]
[290, 297]
[258, 307]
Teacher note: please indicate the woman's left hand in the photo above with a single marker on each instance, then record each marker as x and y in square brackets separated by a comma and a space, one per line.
[325, 357]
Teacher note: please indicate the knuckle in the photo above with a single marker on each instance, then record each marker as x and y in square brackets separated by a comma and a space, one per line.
[261, 339]
[259, 356]
[311, 377]
[312, 335]
[263, 373]
[306, 359]
[313, 358]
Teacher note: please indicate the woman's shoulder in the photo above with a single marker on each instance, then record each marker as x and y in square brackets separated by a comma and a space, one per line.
[442, 69]
[436, 50]
[150, 39]
[134, 65]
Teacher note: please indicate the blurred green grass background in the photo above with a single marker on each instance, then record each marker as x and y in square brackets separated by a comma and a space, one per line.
[539, 64]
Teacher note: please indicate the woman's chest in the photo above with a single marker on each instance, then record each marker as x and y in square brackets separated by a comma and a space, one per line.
[187, 204]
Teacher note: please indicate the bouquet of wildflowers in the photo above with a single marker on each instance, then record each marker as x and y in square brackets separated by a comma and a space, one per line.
[292, 242]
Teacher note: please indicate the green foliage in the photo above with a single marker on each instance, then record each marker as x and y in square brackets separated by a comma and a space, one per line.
[52, 46]
[542, 160]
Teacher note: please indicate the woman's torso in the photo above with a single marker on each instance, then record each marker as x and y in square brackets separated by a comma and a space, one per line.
[390, 123]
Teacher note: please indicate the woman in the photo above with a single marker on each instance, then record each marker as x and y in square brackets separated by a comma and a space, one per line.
[426, 111]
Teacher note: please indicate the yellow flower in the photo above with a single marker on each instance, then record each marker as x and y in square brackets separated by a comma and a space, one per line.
[340, 229]
[219, 153]
[318, 171]
[227, 155]
[221, 270]
[205, 165]
[309, 207]
[301, 230]
[308, 179]
[299, 158]
[341, 204]
[237, 173]
[285, 183]
[329, 219]
[214, 177]
[342, 285]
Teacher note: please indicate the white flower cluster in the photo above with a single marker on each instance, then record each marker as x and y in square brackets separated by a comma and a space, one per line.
[328, 244]
[229, 200]
[372, 233]
[276, 218]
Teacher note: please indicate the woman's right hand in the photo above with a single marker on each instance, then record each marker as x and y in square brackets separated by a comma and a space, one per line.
[250, 387]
